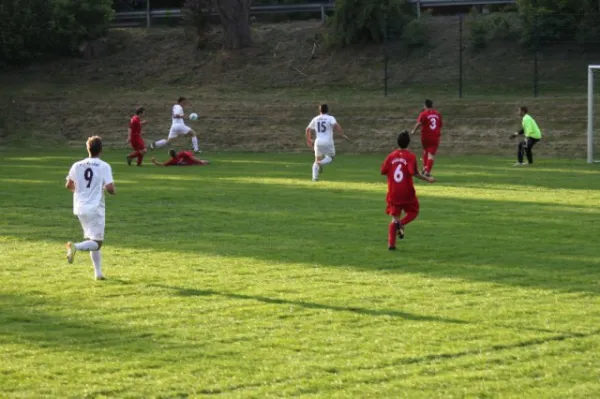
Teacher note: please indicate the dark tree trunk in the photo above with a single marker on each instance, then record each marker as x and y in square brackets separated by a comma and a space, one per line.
[235, 19]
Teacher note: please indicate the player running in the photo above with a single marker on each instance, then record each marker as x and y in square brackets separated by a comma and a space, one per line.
[183, 158]
[430, 122]
[532, 134]
[87, 180]
[135, 137]
[178, 128]
[400, 167]
[324, 125]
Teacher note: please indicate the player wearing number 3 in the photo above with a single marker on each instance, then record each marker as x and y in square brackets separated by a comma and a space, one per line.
[430, 122]
[87, 180]
[324, 125]
[400, 167]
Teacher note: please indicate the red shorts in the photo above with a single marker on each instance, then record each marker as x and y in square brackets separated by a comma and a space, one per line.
[137, 144]
[407, 207]
[430, 144]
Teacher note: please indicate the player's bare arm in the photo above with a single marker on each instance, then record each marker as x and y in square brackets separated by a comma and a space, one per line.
[70, 185]
[418, 125]
[110, 188]
[520, 132]
[308, 137]
[155, 162]
[420, 176]
[338, 129]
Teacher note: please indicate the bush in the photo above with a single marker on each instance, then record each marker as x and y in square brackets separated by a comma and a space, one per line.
[492, 27]
[44, 28]
[416, 33]
[195, 15]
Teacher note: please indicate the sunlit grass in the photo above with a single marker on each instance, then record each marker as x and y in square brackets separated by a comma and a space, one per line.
[246, 279]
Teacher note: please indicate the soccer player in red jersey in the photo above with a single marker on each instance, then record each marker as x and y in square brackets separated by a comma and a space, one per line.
[430, 122]
[183, 158]
[400, 167]
[135, 137]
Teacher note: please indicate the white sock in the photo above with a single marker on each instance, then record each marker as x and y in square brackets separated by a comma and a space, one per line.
[88, 245]
[160, 143]
[195, 143]
[97, 261]
[326, 160]
[315, 171]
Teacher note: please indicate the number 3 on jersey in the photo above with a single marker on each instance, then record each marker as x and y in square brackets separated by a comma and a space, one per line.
[432, 123]
[398, 174]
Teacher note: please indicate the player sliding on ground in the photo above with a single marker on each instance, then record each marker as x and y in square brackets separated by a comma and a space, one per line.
[532, 134]
[87, 180]
[430, 122]
[324, 125]
[400, 167]
[183, 158]
[135, 137]
[178, 128]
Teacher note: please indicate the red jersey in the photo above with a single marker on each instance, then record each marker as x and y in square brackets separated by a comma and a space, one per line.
[399, 167]
[135, 124]
[431, 123]
[183, 158]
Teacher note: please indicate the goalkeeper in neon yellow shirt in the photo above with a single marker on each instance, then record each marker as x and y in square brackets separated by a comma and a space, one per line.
[532, 134]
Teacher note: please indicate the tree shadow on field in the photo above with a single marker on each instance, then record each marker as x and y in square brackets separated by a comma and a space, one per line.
[189, 292]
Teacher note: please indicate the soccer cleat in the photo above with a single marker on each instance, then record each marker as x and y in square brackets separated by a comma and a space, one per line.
[71, 251]
[152, 146]
[400, 229]
[519, 164]
[198, 151]
[391, 248]
[128, 160]
[99, 278]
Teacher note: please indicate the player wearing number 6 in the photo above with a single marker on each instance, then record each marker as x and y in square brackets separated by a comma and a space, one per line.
[87, 180]
[400, 167]
[430, 122]
[324, 125]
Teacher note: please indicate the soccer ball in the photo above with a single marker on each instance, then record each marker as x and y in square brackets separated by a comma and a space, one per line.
[193, 116]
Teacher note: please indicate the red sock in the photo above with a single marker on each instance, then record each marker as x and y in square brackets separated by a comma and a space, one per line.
[140, 157]
[429, 165]
[424, 159]
[133, 154]
[392, 234]
[409, 217]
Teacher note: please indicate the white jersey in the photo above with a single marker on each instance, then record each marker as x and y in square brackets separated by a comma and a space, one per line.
[90, 176]
[323, 126]
[177, 110]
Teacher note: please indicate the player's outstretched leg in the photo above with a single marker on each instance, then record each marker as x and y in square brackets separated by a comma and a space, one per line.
[429, 164]
[317, 169]
[159, 144]
[392, 230]
[195, 142]
[520, 150]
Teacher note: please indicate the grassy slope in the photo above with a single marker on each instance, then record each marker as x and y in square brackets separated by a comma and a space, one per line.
[271, 90]
[245, 279]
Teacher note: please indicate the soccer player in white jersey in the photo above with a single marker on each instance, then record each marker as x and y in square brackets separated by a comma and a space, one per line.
[178, 128]
[324, 126]
[87, 180]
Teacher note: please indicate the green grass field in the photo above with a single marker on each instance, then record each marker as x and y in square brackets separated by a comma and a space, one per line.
[245, 279]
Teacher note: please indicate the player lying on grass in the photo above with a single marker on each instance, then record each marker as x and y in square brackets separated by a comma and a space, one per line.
[178, 128]
[532, 134]
[430, 122]
[135, 139]
[183, 158]
[400, 167]
[324, 125]
[87, 180]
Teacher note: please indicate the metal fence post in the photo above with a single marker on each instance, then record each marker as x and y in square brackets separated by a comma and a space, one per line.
[385, 56]
[148, 17]
[460, 56]
[323, 15]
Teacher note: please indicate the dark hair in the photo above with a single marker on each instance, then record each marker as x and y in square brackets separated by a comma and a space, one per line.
[94, 145]
[139, 110]
[172, 153]
[429, 103]
[524, 109]
[180, 100]
[404, 139]
[324, 108]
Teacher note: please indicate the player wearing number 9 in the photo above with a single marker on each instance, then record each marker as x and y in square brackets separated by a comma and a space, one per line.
[400, 166]
[87, 180]
[430, 122]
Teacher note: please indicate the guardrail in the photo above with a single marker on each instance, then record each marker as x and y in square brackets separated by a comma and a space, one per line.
[137, 18]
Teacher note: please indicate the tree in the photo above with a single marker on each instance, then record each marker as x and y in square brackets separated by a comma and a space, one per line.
[235, 19]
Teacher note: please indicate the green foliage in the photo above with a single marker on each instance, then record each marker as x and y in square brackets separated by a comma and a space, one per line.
[416, 32]
[195, 15]
[36, 28]
[359, 21]
[498, 26]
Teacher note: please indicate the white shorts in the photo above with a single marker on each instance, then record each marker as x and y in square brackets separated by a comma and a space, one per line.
[178, 130]
[323, 149]
[92, 225]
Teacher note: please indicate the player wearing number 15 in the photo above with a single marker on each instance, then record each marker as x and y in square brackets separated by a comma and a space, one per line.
[87, 180]
[430, 122]
[400, 167]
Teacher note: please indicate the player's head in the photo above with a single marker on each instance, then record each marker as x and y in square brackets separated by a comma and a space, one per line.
[172, 153]
[404, 139]
[428, 104]
[139, 111]
[523, 110]
[94, 146]
[181, 100]
[324, 108]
